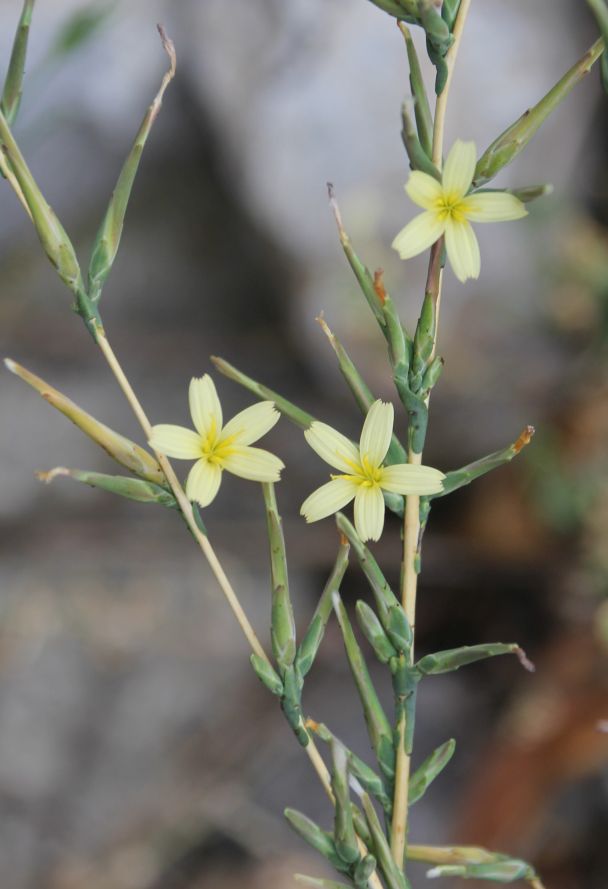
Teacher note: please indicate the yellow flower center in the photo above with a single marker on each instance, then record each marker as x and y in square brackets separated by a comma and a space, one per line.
[451, 206]
[364, 474]
[214, 448]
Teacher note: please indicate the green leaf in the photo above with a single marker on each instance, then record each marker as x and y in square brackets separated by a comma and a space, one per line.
[394, 876]
[298, 416]
[360, 390]
[108, 237]
[318, 883]
[458, 478]
[418, 158]
[422, 110]
[509, 870]
[454, 658]
[314, 635]
[345, 839]
[373, 632]
[283, 628]
[124, 451]
[13, 85]
[449, 11]
[369, 780]
[378, 726]
[319, 839]
[131, 488]
[426, 773]
[510, 143]
[267, 674]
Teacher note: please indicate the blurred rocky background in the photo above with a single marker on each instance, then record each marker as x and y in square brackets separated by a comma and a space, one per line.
[137, 750]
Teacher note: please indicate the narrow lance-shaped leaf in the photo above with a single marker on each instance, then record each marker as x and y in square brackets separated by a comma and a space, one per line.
[108, 237]
[449, 11]
[344, 832]
[374, 633]
[452, 854]
[121, 449]
[426, 773]
[509, 870]
[313, 637]
[283, 630]
[422, 110]
[131, 488]
[360, 390]
[294, 413]
[458, 478]
[378, 726]
[394, 876]
[267, 674]
[13, 85]
[509, 144]
[362, 273]
[319, 839]
[454, 658]
[53, 237]
[369, 780]
[392, 617]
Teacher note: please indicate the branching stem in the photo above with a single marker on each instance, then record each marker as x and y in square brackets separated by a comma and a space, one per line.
[411, 519]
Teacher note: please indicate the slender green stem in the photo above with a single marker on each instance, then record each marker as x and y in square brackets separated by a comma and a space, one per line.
[411, 518]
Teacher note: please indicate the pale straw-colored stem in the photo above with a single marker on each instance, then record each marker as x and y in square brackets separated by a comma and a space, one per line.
[411, 518]
[10, 178]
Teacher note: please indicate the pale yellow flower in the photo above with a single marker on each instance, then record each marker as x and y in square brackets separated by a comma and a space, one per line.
[364, 476]
[449, 210]
[216, 447]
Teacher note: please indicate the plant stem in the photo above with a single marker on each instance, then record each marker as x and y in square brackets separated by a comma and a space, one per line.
[184, 504]
[411, 518]
[209, 553]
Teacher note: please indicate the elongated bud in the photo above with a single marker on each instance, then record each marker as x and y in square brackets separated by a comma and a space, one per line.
[509, 144]
[344, 832]
[375, 635]
[454, 658]
[422, 110]
[316, 630]
[121, 449]
[131, 488]
[506, 871]
[426, 773]
[267, 674]
[378, 726]
[395, 878]
[109, 235]
[53, 237]
[319, 839]
[13, 85]
[363, 871]
[283, 628]
[418, 158]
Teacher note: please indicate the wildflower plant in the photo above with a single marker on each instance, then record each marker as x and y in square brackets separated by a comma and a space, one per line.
[367, 843]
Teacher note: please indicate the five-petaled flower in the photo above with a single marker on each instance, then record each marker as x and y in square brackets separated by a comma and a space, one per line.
[363, 474]
[216, 447]
[449, 210]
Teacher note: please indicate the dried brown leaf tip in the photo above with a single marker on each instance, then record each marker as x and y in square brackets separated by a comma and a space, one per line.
[524, 439]
[379, 287]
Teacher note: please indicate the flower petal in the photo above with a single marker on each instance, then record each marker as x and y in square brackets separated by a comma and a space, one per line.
[419, 234]
[423, 190]
[369, 512]
[254, 464]
[176, 441]
[333, 447]
[463, 249]
[493, 206]
[205, 406]
[252, 423]
[459, 169]
[327, 499]
[376, 432]
[403, 478]
[203, 482]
